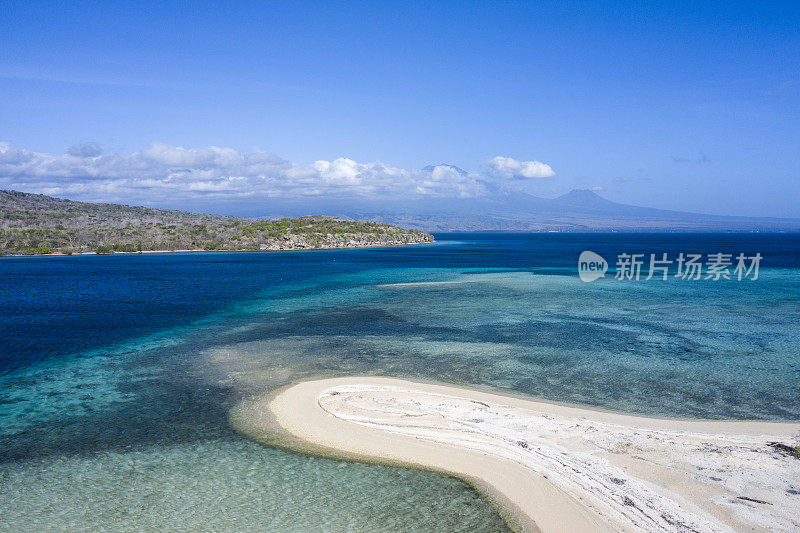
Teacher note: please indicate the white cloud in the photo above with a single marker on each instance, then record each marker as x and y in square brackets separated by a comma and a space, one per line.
[510, 167]
[341, 171]
[84, 172]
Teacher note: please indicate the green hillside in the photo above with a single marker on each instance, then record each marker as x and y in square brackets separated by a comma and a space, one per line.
[32, 224]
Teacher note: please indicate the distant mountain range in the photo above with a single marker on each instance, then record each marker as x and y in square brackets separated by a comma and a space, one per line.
[576, 211]
[579, 210]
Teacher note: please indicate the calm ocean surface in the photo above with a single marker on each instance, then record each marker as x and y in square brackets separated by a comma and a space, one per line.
[117, 372]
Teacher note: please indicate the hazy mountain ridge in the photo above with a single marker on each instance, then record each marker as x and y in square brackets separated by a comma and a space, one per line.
[580, 210]
[576, 211]
[502, 208]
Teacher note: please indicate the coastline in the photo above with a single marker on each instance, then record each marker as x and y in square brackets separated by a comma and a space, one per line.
[550, 467]
[388, 245]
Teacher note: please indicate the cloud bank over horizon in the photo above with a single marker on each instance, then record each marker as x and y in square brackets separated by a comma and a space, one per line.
[85, 172]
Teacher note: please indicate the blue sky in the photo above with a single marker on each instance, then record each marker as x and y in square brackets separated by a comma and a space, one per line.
[693, 107]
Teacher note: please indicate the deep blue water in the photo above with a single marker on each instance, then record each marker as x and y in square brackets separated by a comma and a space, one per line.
[62, 305]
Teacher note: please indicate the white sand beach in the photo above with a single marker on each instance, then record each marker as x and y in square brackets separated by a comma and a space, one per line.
[551, 467]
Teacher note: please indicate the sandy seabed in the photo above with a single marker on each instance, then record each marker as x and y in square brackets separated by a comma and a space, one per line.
[550, 467]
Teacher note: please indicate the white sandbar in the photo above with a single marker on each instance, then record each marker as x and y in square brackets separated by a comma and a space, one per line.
[554, 467]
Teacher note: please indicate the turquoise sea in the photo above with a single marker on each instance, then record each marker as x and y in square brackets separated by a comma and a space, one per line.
[117, 372]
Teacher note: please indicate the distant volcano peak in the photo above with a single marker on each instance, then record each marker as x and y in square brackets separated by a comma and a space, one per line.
[460, 171]
[582, 197]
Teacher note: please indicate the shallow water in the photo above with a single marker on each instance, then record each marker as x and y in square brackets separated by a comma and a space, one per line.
[118, 372]
[236, 485]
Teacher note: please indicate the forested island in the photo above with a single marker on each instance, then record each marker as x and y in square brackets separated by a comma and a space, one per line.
[35, 224]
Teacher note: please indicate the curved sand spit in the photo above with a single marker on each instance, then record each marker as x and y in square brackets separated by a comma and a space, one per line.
[553, 467]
